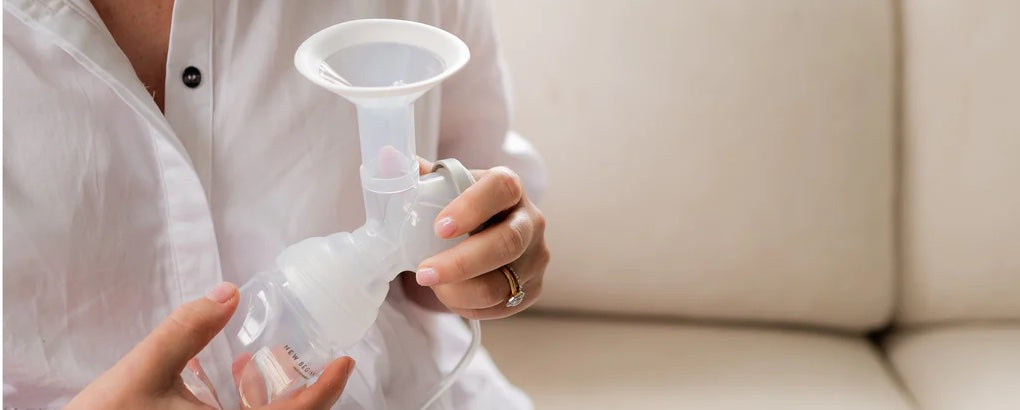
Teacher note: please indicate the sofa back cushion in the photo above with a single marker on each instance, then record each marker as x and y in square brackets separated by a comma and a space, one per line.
[724, 160]
[961, 161]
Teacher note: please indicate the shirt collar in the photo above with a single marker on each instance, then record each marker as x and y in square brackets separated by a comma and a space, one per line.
[75, 27]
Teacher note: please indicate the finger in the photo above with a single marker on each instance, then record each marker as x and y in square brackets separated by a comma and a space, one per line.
[492, 289]
[423, 296]
[496, 191]
[424, 166]
[482, 252]
[325, 391]
[483, 291]
[534, 292]
[250, 384]
[164, 352]
[238, 366]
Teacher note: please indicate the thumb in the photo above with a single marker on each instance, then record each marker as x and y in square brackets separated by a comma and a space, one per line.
[424, 166]
[165, 351]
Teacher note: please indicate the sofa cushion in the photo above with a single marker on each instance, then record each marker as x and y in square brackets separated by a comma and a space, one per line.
[566, 363]
[962, 161]
[725, 160]
[960, 368]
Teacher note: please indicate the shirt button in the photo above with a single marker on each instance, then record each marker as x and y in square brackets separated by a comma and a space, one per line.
[191, 77]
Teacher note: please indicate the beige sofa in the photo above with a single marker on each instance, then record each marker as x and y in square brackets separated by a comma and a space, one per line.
[789, 204]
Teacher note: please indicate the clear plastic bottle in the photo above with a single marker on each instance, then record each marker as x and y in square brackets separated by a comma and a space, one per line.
[291, 321]
[280, 346]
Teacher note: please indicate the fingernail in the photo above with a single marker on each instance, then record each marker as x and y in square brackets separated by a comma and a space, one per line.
[427, 277]
[444, 227]
[350, 368]
[221, 293]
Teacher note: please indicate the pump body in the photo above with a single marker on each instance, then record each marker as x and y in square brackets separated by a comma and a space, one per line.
[325, 292]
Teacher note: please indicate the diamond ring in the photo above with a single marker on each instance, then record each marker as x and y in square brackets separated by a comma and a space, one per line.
[516, 291]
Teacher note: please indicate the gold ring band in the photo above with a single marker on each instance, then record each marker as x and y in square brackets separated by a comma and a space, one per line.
[516, 291]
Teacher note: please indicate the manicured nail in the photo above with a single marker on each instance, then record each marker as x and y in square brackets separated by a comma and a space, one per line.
[427, 277]
[444, 227]
[221, 293]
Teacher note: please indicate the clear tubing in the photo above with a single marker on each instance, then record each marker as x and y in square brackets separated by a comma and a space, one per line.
[444, 385]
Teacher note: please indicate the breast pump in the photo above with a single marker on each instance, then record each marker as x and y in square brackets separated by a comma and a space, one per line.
[324, 293]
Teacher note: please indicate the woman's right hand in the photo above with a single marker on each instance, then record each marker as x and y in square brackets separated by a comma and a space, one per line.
[149, 376]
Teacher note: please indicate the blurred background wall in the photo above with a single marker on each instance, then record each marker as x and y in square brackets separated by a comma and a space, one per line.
[723, 159]
[783, 204]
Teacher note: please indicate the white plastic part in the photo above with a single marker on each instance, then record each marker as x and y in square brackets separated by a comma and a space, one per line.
[382, 66]
[342, 279]
[321, 46]
[325, 292]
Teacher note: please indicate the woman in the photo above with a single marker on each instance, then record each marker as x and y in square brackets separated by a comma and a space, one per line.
[153, 150]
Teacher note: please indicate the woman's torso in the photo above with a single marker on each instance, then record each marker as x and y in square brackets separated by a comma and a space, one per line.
[114, 214]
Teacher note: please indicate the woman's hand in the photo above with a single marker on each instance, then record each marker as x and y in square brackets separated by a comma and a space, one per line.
[467, 278]
[149, 376]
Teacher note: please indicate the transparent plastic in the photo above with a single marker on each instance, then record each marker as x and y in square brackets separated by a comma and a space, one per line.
[280, 347]
[325, 292]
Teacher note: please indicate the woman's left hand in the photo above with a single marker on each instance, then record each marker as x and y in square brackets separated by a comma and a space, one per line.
[467, 279]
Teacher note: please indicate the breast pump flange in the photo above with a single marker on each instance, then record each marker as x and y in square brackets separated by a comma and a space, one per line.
[325, 292]
[382, 66]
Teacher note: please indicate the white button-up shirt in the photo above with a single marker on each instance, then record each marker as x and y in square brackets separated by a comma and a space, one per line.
[115, 213]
